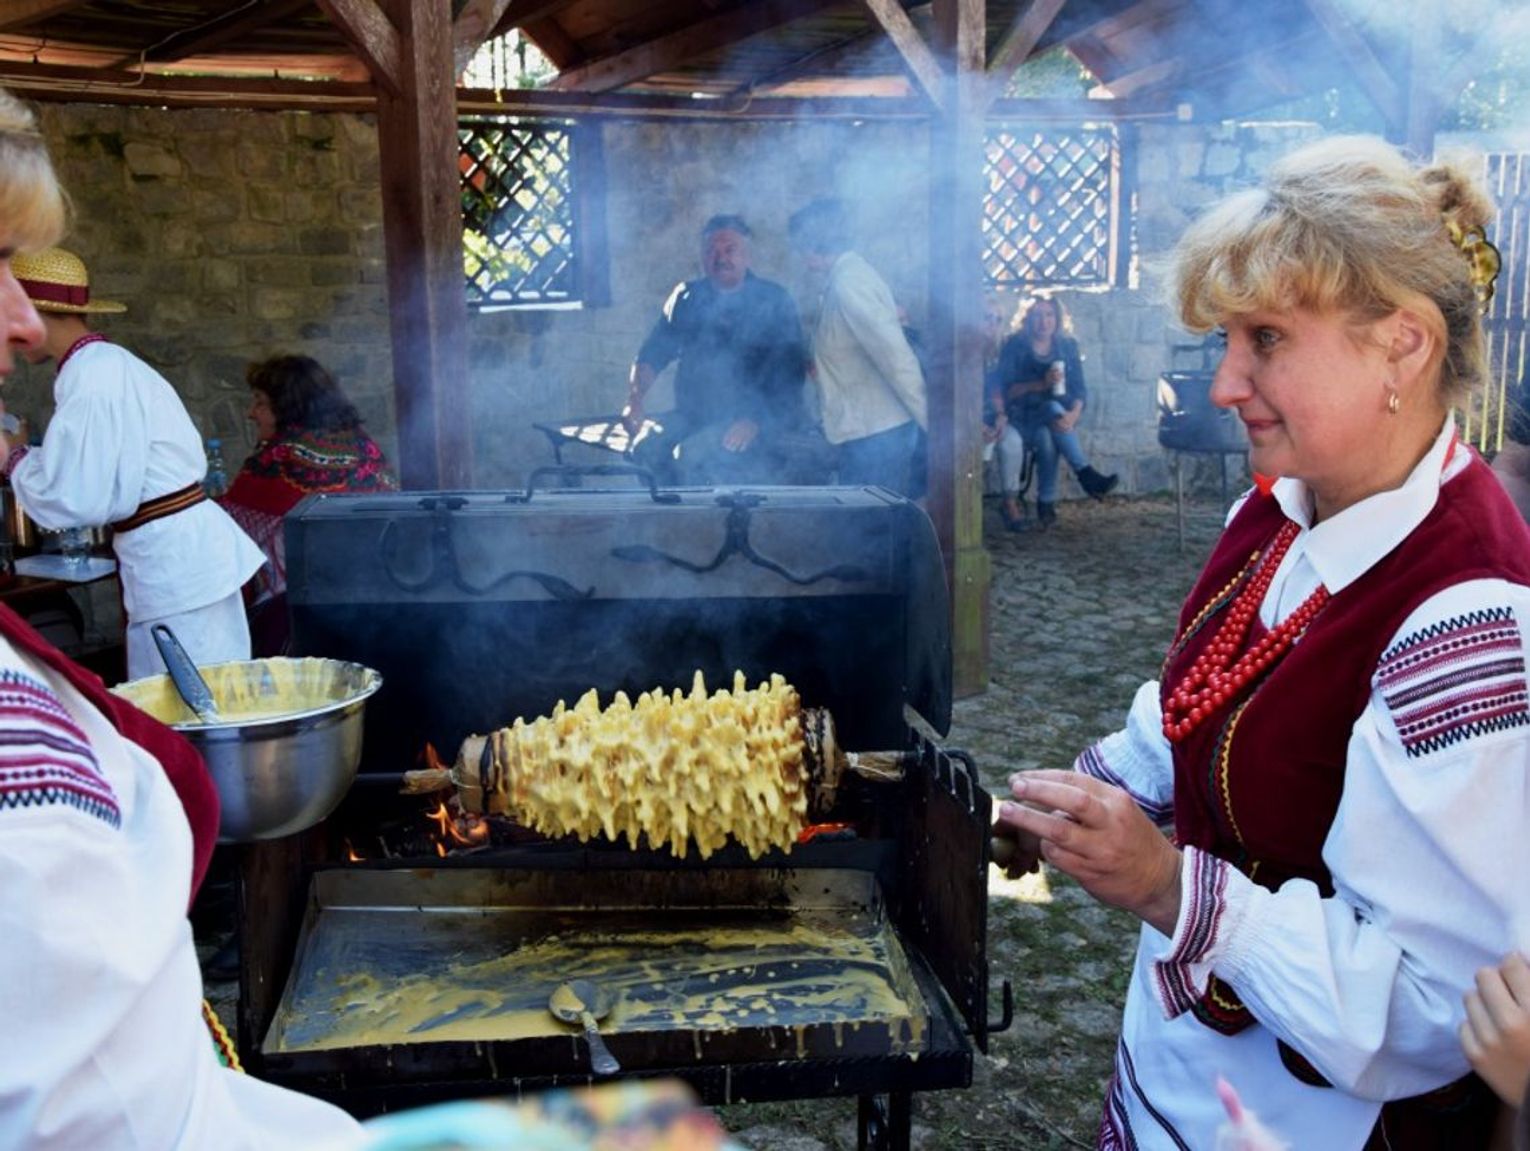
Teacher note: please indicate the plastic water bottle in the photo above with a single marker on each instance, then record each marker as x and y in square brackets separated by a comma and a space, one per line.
[216, 480]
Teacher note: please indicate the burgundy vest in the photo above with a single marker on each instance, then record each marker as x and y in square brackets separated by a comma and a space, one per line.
[180, 761]
[1258, 784]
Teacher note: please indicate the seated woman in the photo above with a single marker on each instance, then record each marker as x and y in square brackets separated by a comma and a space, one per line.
[310, 439]
[1001, 439]
[1042, 376]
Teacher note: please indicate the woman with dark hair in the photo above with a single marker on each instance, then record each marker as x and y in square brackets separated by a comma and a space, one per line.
[1041, 374]
[309, 439]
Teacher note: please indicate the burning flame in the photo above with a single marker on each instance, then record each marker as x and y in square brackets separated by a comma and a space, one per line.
[351, 854]
[457, 828]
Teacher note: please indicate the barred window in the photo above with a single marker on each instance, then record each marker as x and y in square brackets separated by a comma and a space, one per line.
[1052, 209]
[519, 214]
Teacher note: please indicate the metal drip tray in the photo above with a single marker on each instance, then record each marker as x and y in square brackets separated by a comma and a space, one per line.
[705, 966]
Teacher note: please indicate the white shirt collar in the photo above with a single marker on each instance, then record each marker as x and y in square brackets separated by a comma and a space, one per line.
[1345, 547]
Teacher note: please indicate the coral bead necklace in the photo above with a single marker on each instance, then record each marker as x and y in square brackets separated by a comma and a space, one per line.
[1216, 677]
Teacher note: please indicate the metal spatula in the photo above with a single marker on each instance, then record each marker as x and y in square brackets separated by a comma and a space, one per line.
[184, 674]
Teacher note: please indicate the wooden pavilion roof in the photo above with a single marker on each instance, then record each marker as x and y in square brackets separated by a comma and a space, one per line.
[694, 57]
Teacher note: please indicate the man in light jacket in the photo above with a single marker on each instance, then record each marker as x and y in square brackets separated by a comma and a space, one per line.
[871, 390]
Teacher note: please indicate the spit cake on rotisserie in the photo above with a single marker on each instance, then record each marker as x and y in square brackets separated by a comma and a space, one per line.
[677, 768]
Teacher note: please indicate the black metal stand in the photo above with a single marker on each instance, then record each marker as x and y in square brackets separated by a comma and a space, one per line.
[886, 1122]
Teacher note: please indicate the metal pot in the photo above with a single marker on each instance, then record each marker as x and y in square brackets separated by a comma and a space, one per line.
[286, 748]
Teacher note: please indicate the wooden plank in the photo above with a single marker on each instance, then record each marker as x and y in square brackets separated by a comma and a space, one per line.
[554, 43]
[474, 27]
[921, 62]
[519, 13]
[208, 38]
[1355, 48]
[1155, 75]
[20, 13]
[683, 45]
[956, 361]
[1019, 42]
[422, 236]
[375, 38]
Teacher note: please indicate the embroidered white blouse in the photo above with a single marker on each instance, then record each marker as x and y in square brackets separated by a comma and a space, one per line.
[119, 436]
[102, 1041]
[1429, 856]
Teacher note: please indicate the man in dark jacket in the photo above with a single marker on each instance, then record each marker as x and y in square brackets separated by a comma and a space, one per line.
[738, 413]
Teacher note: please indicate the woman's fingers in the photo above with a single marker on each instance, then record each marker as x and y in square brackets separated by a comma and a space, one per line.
[1479, 1018]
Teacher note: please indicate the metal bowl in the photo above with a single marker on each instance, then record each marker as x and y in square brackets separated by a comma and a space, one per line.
[286, 749]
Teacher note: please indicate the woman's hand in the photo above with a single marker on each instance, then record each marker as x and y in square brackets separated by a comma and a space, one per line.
[1097, 834]
[1496, 1034]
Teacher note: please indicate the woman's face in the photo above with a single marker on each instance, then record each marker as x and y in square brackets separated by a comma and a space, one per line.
[262, 415]
[23, 327]
[1043, 321]
[1312, 393]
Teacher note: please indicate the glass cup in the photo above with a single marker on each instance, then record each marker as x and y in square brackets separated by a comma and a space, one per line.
[74, 546]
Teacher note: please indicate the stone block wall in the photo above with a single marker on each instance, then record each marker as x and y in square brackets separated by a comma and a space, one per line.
[234, 235]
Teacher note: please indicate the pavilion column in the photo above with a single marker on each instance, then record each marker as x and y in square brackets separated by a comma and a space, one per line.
[955, 335]
[422, 233]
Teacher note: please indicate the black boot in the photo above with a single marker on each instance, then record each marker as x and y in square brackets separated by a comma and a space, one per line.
[1046, 514]
[1095, 484]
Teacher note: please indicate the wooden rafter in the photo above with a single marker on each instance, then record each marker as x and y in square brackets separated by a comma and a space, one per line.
[1018, 42]
[472, 27]
[683, 45]
[1142, 79]
[208, 38]
[1356, 50]
[519, 13]
[556, 44]
[926, 70]
[19, 13]
[372, 34]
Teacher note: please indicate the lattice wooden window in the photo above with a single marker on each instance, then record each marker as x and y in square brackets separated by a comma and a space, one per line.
[1486, 420]
[518, 211]
[1051, 216]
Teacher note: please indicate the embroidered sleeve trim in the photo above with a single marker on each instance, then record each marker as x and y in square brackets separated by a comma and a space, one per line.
[1181, 977]
[45, 759]
[17, 454]
[1455, 680]
[1092, 763]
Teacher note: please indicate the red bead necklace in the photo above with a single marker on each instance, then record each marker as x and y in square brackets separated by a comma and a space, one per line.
[1215, 678]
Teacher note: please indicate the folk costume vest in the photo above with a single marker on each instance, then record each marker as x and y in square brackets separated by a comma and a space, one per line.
[1258, 783]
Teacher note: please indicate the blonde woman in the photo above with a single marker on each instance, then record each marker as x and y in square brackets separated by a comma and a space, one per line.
[1340, 738]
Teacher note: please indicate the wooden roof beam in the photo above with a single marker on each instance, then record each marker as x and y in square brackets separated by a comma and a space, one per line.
[683, 45]
[1019, 42]
[474, 26]
[208, 38]
[1143, 79]
[1355, 49]
[374, 37]
[921, 61]
[20, 13]
[519, 13]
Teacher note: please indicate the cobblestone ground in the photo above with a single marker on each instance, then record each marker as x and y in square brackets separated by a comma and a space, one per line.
[1081, 614]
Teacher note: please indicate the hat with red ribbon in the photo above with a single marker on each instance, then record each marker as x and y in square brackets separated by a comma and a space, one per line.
[57, 281]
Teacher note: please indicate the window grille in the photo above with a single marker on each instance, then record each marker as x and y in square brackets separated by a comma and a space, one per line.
[518, 211]
[1486, 419]
[1051, 213]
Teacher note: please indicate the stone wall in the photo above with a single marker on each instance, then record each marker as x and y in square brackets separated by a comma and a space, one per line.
[236, 235]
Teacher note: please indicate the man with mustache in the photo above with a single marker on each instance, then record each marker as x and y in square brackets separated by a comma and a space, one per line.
[738, 410]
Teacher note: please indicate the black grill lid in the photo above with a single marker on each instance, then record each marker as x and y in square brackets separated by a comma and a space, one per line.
[481, 606]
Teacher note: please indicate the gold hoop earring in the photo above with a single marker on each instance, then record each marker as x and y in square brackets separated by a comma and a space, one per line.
[1394, 404]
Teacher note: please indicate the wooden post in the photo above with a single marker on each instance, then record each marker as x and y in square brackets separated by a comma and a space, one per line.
[422, 233]
[956, 308]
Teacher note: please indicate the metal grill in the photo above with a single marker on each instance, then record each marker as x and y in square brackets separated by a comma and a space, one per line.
[518, 212]
[1051, 209]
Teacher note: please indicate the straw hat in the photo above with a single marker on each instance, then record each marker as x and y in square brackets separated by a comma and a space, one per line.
[56, 281]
